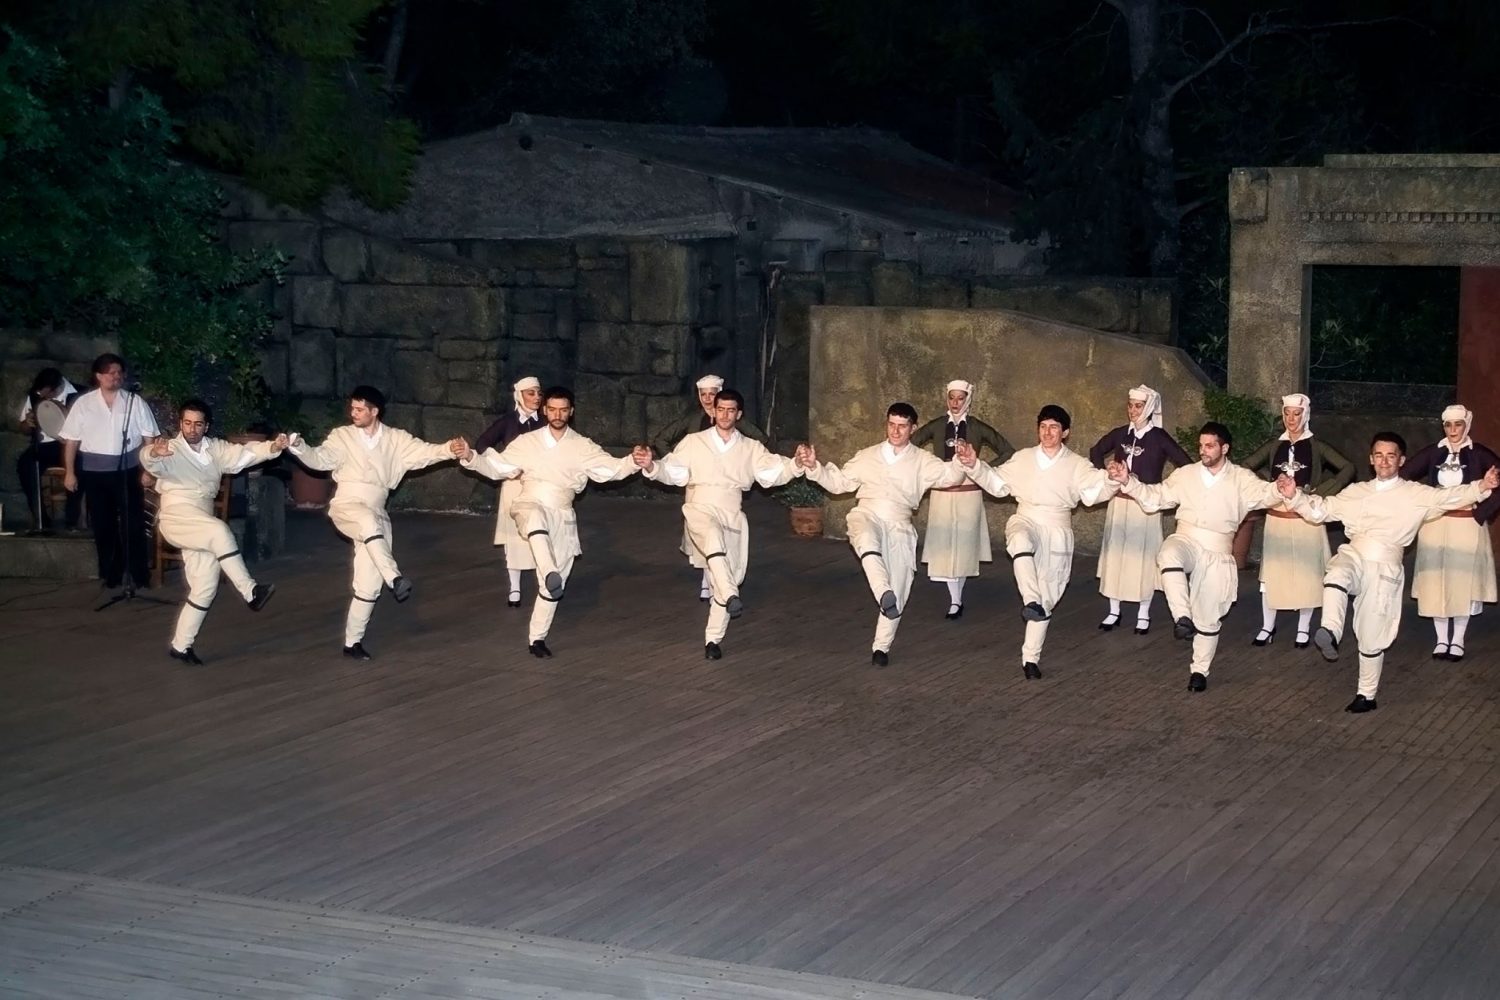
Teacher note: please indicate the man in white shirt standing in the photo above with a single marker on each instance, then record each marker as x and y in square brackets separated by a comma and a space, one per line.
[1048, 481]
[44, 451]
[368, 459]
[717, 466]
[1381, 517]
[554, 464]
[1198, 572]
[103, 431]
[188, 471]
[891, 478]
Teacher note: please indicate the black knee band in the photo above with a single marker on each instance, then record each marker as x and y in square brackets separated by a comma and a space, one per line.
[1174, 569]
[716, 555]
[1334, 586]
[550, 600]
[866, 555]
[229, 555]
[1020, 555]
[367, 600]
[539, 531]
[200, 607]
[1204, 631]
[1371, 656]
[367, 541]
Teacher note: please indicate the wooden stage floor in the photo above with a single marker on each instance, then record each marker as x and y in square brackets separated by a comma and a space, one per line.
[458, 818]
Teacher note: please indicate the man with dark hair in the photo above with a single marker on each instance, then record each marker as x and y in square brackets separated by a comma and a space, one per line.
[101, 435]
[1197, 566]
[1048, 481]
[1381, 517]
[554, 464]
[525, 416]
[368, 459]
[188, 469]
[891, 478]
[44, 451]
[717, 466]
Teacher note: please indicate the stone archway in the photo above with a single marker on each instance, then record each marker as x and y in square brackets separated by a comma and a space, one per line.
[1411, 210]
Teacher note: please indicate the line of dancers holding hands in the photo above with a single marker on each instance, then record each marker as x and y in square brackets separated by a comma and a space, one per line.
[544, 464]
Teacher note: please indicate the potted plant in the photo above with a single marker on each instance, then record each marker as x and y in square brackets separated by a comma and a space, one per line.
[314, 420]
[804, 500]
[1251, 425]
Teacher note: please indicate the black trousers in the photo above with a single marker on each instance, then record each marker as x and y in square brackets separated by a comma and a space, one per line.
[117, 513]
[35, 460]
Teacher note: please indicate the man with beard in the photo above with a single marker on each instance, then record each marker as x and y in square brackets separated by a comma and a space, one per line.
[1381, 517]
[525, 416]
[717, 466]
[188, 470]
[554, 464]
[368, 459]
[890, 478]
[1048, 481]
[1197, 566]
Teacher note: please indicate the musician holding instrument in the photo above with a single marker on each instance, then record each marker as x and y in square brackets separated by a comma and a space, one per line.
[42, 418]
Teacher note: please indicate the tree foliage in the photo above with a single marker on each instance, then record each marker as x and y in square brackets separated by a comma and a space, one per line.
[102, 230]
[276, 91]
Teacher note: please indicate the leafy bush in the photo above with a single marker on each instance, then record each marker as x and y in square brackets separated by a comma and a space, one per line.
[1247, 418]
[800, 493]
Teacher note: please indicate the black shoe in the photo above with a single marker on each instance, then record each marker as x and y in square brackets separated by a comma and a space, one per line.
[554, 584]
[260, 595]
[1034, 612]
[539, 649]
[357, 652]
[888, 605]
[1361, 704]
[1302, 641]
[401, 587]
[1182, 628]
[1328, 646]
[186, 656]
[1109, 622]
[880, 658]
[1142, 629]
[734, 606]
[954, 611]
[1264, 637]
[1440, 651]
[712, 652]
[1031, 671]
[1455, 653]
[513, 599]
[1197, 682]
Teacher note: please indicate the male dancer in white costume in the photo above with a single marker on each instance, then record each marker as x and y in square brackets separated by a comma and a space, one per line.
[554, 464]
[1381, 517]
[1196, 563]
[188, 470]
[1048, 481]
[717, 466]
[368, 459]
[890, 478]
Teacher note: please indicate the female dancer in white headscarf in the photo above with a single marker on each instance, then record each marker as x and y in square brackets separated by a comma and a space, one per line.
[526, 416]
[1132, 537]
[1295, 552]
[1455, 571]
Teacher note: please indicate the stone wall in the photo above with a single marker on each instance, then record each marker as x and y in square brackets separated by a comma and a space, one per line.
[1140, 309]
[863, 358]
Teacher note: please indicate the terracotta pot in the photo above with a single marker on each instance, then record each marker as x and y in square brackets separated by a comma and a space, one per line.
[807, 522]
[309, 492]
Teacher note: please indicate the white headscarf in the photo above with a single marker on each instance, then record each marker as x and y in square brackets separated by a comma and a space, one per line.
[968, 390]
[1458, 412]
[1151, 413]
[529, 382]
[1298, 399]
[713, 382]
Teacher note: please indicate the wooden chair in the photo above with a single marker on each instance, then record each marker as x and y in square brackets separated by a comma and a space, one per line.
[165, 555]
[54, 494]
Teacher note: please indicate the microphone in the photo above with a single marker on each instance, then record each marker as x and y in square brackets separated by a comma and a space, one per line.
[133, 385]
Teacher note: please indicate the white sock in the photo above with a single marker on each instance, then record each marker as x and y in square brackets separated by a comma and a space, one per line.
[1114, 607]
[1267, 614]
[1440, 626]
[956, 592]
[515, 580]
[1304, 621]
[1460, 627]
[1143, 612]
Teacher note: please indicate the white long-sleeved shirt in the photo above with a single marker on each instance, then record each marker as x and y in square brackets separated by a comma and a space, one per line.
[716, 471]
[378, 460]
[886, 480]
[1215, 502]
[193, 474]
[1382, 516]
[552, 469]
[1046, 487]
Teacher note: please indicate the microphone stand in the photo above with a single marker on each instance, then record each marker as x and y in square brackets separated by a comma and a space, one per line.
[127, 592]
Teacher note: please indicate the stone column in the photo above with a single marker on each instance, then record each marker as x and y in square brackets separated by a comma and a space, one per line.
[1479, 354]
[1268, 286]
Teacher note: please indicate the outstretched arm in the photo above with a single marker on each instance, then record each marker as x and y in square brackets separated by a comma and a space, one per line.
[829, 476]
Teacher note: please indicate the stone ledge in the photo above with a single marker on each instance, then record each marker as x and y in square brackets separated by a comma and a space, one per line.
[56, 557]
